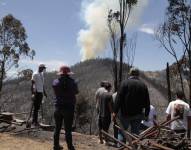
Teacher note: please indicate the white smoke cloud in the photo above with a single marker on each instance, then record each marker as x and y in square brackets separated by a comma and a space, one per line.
[94, 38]
[147, 28]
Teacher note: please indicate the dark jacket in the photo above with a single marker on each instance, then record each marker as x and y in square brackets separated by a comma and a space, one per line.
[132, 98]
[105, 101]
[65, 89]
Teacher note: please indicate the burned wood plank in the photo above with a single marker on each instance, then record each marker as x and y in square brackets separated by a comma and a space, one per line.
[126, 132]
[116, 140]
[7, 116]
[46, 127]
[159, 145]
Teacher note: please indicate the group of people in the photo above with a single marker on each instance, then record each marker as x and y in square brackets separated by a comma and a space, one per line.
[130, 106]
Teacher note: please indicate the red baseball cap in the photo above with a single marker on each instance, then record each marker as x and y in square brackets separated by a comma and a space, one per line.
[65, 70]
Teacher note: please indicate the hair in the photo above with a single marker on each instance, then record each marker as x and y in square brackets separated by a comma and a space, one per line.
[102, 83]
[180, 94]
[134, 72]
[108, 86]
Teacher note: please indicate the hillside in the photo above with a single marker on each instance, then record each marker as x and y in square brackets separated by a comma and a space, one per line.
[88, 74]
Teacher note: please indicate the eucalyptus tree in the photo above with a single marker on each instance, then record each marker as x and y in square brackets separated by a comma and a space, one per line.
[13, 45]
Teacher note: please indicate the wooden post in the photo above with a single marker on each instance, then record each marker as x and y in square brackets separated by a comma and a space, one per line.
[168, 82]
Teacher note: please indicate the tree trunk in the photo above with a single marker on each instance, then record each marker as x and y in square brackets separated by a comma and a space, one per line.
[168, 82]
[189, 63]
[181, 79]
[115, 75]
[121, 57]
[2, 76]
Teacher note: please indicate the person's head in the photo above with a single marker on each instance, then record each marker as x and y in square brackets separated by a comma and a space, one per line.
[102, 83]
[65, 71]
[180, 95]
[108, 86]
[41, 68]
[134, 72]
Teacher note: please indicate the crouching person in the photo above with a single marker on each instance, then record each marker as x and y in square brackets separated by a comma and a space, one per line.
[151, 120]
[65, 89]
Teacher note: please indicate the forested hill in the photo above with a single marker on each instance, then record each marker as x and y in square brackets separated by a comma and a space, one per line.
[17, 97]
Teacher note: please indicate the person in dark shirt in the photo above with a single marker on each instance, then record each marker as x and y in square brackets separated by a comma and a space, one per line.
[133, 102]
[65, 89]
[105, 110]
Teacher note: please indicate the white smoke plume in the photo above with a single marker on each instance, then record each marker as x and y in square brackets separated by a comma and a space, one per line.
[94, 38]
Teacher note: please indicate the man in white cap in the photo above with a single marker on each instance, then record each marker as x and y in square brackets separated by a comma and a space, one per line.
[38, 91]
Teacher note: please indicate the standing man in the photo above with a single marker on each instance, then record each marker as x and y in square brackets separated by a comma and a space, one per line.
[105, 111]
[98, 93]
[38, 91]
[181, 109]
[133, 102]
[65, 90]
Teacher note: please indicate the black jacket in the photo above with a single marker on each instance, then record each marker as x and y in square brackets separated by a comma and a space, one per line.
[65, 89]
[132, 98]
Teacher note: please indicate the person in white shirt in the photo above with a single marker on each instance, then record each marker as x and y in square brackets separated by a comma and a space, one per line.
[38, 91]
[181, 109]
[151, 121]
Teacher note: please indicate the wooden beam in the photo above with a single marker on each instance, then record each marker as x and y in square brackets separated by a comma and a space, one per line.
[116, 140]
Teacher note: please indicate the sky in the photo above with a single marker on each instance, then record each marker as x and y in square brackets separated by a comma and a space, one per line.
[54, 31]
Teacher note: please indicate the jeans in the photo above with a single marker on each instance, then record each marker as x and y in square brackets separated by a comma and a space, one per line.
[134, 122]
[66, 114]
[36, 103]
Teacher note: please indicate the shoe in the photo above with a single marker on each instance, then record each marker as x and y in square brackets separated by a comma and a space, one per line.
[100, 142]
[106, 143]
[58, 148]
[71, 148]
[35, 124]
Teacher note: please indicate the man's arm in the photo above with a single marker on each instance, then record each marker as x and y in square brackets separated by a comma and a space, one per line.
[147, 103]
[44, 91]
[32, 86]
[168, 111]
[118, 101]
[110, 104]
[168, 117]
[76, 88]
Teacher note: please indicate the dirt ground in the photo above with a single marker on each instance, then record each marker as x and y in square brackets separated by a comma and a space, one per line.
[81, 142]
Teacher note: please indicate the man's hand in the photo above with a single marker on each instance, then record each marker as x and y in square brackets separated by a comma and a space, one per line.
[114, 117]
[33, 97]
[45, 94]
[146, 118]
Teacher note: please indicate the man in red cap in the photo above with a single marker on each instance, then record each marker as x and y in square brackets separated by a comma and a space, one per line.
[65, 90]
[38, 91]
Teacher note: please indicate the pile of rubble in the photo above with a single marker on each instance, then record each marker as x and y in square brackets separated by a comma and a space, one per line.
[159, 137]
[9, 123]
